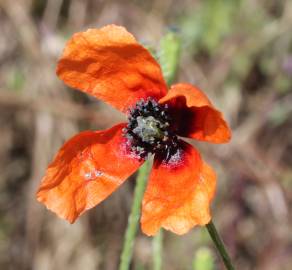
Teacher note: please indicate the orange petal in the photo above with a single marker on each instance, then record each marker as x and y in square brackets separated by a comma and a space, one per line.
[86, 170]
[195, 115]
[109, 64]
[179, 193]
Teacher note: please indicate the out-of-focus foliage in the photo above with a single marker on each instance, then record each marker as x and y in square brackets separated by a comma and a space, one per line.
[205, 25]
[15, 80]
[203, 259]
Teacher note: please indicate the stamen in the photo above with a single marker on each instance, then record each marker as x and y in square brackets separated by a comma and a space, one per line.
[149, 130]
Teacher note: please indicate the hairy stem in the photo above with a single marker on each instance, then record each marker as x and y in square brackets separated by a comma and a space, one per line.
[169, 55]
[134, 217]
[219, 245]
[157, 250]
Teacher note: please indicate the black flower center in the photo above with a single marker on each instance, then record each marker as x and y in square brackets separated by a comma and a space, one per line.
[149, 130]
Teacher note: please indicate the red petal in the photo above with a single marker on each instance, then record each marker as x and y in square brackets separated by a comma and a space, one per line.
[109, 64]
[86, 170]
[195, 115]
[179, 193]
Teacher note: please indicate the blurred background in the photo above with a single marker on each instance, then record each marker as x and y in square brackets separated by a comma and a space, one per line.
[238, 51]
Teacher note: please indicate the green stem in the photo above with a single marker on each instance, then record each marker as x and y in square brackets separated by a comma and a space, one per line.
[134, 217]
[157, 250]
[170, 47]
[219, 245]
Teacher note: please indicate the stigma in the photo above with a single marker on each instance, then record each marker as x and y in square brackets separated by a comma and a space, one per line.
[149, 130]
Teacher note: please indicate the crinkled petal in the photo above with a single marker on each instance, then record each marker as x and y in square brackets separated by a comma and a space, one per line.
[179, 193]
[195, 116]
[111, 65]
[86, 170]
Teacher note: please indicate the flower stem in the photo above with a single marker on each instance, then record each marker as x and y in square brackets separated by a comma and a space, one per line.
[219, 245]
[157, 250]
[134, 217]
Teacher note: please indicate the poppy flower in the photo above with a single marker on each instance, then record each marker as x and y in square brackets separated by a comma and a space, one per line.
[110, 65]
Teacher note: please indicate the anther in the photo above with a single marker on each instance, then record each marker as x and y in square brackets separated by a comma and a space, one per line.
[148, 129]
